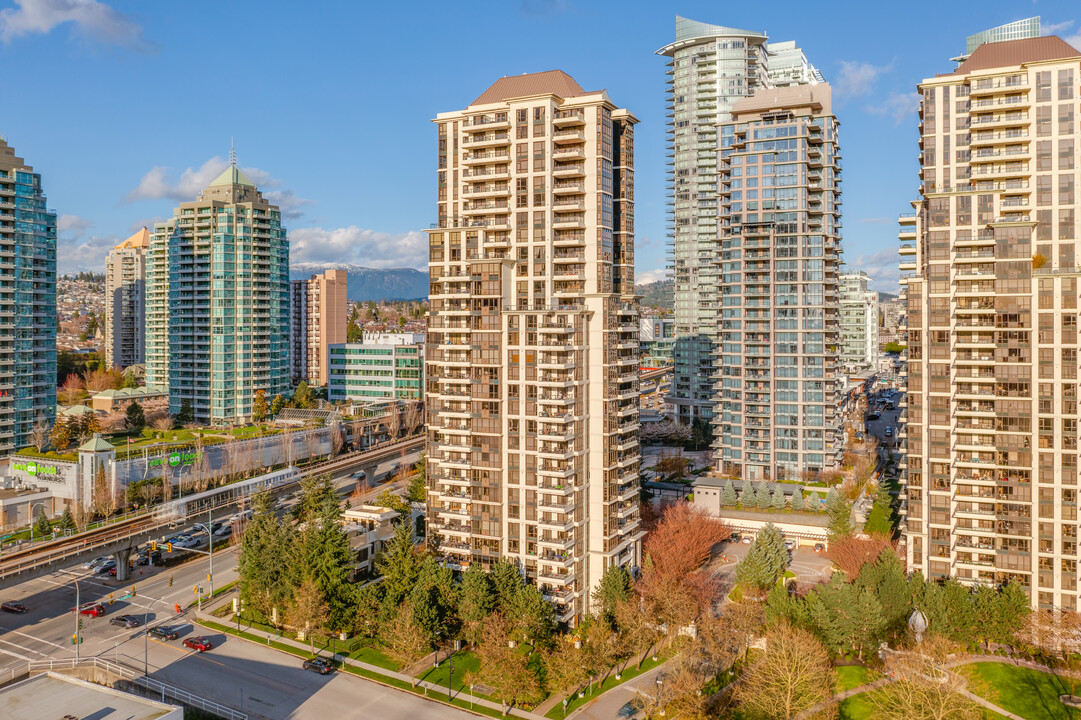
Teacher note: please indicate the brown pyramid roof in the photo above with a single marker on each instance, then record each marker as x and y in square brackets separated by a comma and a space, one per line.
[554, 82]
[1016, 52]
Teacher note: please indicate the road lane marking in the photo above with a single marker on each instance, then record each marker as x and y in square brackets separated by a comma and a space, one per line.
[18, 655]
[35, 639]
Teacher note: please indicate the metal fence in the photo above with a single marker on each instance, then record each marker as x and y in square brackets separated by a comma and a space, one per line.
[152, 686]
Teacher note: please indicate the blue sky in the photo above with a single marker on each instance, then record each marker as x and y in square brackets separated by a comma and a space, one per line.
[127, 107]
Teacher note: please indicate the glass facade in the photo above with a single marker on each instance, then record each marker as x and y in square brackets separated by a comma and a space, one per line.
[27, 302]
[388, 368]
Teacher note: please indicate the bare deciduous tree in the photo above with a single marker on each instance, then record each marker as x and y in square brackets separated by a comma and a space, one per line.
[39, 434]
[921, 689]
[103, 499]
[413, 417]
[792, 675]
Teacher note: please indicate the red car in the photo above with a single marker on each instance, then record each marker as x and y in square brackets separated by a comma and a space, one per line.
[96, 610]
[198, 643]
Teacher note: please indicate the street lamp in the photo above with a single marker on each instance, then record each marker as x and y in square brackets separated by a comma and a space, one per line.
[78, 614]
[146, 636]
[32, 506]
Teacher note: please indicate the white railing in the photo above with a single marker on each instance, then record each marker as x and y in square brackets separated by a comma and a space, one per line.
[155, 686]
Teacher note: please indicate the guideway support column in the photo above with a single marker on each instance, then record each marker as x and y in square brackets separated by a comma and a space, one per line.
[123, 567]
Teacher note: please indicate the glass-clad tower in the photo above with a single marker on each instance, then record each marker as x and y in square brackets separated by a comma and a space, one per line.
[217, 302]
[710, 68]
[27, 302]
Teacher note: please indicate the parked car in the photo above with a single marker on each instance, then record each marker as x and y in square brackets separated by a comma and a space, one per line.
[889, 432]
[95, 610]
[320, 665]
[198, 643]
[734, 537]
[14, 607]
[145, 557]
[873, 416]
[790, 544]
[125, 621]
[163, 633]
[819, 547]
[746, 540]
[105, 567]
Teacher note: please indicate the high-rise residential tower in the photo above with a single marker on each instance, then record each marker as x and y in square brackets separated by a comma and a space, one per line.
[991, 261]
[859, 322]
[778, 377]
[318, 320]
[27, 302]
[1018, 30]
[125, 301]
[217, 302]
[532, 346]
[710, 68]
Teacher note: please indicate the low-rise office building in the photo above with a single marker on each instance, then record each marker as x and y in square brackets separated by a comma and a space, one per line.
[386, 366]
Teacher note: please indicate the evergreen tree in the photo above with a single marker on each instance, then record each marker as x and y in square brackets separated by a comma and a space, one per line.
[778, 499]
[506, 579]
[276, 405]
[614, 588]
[416, 490]
[43, 526]
[728, 495]
[266, 548]
[762, 498]
[771, 540]
[797, 500]
[369, 609]
[847, 616]
[302, 396]
[535, 616]
[476, 601]
[315, 492]
[399, 566]
[746, 495]
[434, 599]
[755, 569]
[67, 522]
[60, 435]
[186, 416]
[885, 578]
[840, 523]
[134, 417]
[129, 382]
[328, 560]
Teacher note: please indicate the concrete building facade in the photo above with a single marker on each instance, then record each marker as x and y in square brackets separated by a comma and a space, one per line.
[318, 320]
[991, 274]
[710, 69]
[27, 302]
[383, 366]
[859, 322]
[778, 374]
[217, 302]
[125, 301]
[532, 345]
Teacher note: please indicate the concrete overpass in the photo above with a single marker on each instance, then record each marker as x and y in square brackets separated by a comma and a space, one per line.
[121, 538]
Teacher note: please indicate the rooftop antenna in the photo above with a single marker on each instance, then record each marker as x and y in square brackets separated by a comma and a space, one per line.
[232, 152]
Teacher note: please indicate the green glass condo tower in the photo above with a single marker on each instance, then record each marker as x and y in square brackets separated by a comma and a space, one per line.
[27, 302]
[217, 302]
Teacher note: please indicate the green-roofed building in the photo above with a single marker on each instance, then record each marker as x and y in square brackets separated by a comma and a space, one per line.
[217, 301]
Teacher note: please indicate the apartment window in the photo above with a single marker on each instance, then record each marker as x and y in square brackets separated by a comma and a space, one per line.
[1065, 154]
[1043, 155]
[1043, 121]
[1043, 86]
[1065, 189]
[1065, 119]
[1043, 190]
[1065, 84]
[1066, 224]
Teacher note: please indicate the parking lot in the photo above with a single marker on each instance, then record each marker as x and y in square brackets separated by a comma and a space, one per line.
[810, 567]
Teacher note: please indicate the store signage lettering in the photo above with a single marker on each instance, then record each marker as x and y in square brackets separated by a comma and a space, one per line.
[36, 469]
[176, 459]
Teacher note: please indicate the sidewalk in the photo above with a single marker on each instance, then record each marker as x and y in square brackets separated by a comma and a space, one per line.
[374, 669]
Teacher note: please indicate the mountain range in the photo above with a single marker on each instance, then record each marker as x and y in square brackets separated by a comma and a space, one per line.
[371, 283]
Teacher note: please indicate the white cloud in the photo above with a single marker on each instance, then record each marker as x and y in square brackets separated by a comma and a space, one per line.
[648, 276]
[72, 226]
[1054, 28]
[159, 183]
[356, 246]
[92, 19]
[1074, 41]
[76, 255]
[881, 266]
[899, 106]
[858, 78]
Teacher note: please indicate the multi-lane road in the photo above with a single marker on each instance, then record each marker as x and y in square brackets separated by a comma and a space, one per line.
[255, 679]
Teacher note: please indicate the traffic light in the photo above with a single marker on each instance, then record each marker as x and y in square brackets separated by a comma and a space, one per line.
[153, 545]
[74, 638]
[170, 581]
[80, 623]
[110, 598]
[133, 591]
[208, 577]
[170, 547]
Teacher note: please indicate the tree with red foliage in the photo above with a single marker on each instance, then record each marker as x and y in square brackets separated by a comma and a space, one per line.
[851, 553]
[672, 584]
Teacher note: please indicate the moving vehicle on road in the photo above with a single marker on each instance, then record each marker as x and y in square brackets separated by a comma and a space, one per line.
[359, 475]
[200, 644]
[91, 564]
[93, 610]
[163, 633]
[105, 567]
[320, 665]
[14, 607]
[223, 531]
[185, 541]
[125, 621]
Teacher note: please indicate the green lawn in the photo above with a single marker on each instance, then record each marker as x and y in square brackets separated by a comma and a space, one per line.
[1029, 693]
[846, 677]
[857, 707]
[463, 662]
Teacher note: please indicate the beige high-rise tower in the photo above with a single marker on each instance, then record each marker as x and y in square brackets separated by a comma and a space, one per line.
[532, 348]
[318, 321]
[992, 268]
[125, 301]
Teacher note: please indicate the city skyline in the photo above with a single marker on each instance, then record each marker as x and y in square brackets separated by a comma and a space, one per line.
[339, 180]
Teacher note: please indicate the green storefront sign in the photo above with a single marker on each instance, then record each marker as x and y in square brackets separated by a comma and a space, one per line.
[35, 469]
[176, 459]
